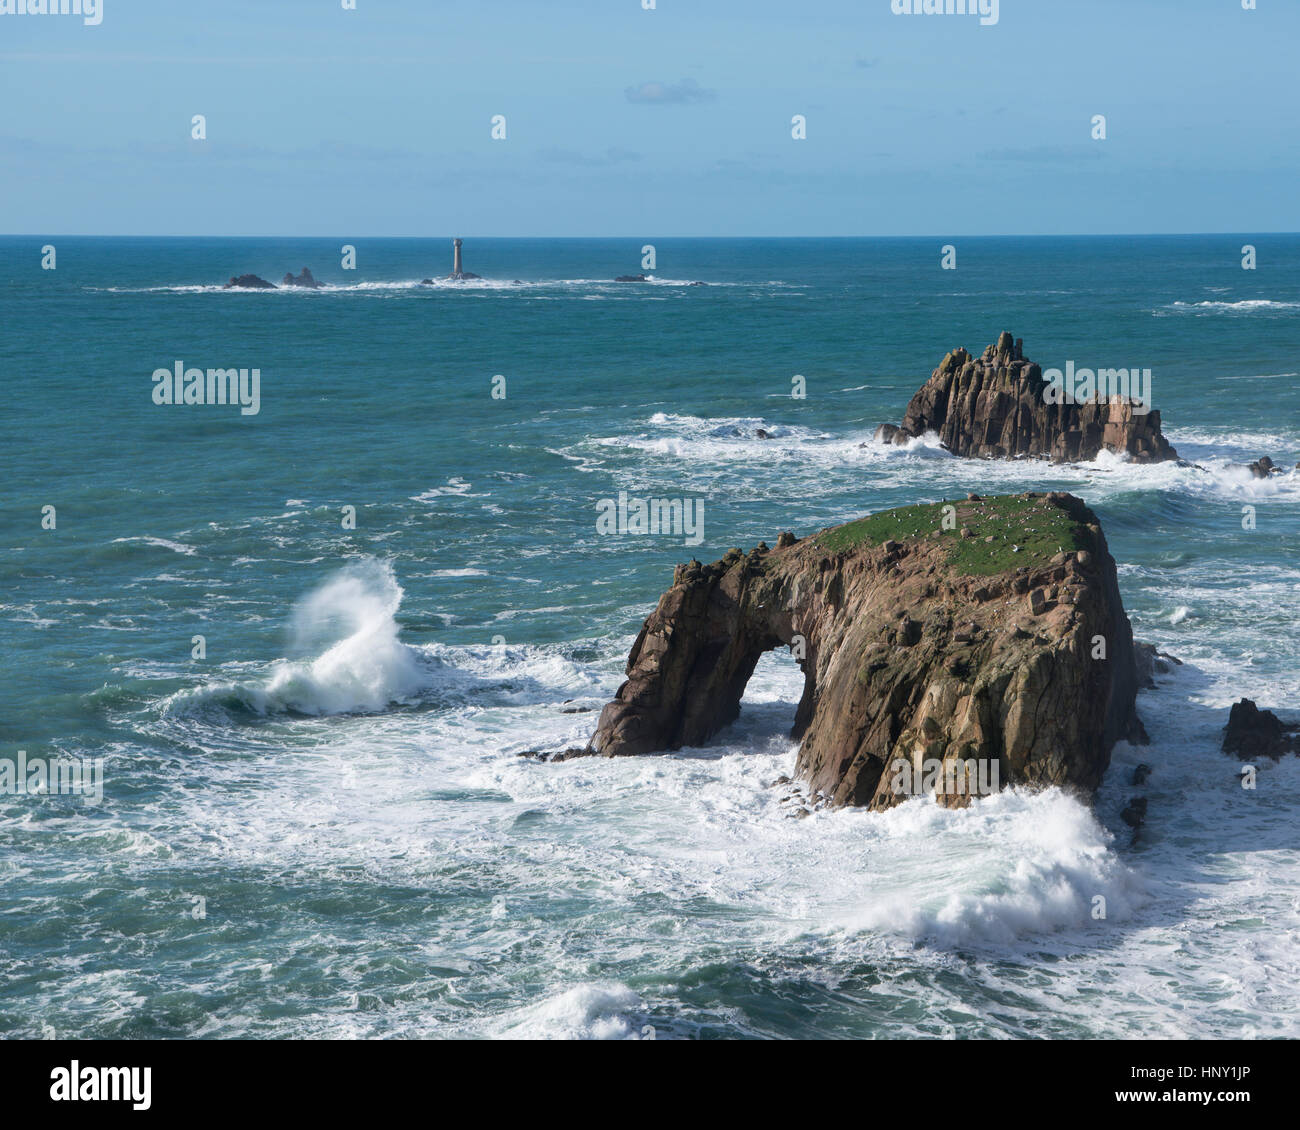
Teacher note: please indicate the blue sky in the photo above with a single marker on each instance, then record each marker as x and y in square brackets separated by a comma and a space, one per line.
[627, 122]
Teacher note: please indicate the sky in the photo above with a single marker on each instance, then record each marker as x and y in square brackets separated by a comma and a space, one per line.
[671, 121]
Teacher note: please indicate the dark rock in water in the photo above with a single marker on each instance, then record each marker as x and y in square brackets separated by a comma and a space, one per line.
[699, 284]
[1135, 813]
[630, 278]
[552, 758]
[249, 282]
[1264, 466]
[886, 433]
[996, 407]
[305, 279]
[1151, 663]
[1141, 773]
[426, 282]
[763, 433]
[1253, 733]
[917, 651]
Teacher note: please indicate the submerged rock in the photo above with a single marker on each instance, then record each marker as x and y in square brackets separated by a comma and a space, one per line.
[996, 407]
[1135, 814]
[631, 278]
[1253, 733]
[249, 282]
[918, 649]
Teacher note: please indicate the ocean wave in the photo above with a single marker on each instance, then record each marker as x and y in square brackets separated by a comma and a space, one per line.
[585, 1012]
[160, 543]
[716, 450]
[435, 283]
[1015, 864]
[361, 665]
[352, 661]
[1244, 306]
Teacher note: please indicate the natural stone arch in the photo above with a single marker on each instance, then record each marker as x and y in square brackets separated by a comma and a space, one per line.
[952, 645]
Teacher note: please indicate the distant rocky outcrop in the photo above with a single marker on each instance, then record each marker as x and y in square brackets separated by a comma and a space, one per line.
[306, 279]
[997, 407]
[631, 278]
[1253, 733]
[249, 282]
[985, 636]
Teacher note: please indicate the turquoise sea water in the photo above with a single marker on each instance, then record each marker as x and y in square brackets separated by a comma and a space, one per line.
[336, 785]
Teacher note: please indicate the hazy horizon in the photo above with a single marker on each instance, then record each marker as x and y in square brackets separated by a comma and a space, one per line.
[379, 120]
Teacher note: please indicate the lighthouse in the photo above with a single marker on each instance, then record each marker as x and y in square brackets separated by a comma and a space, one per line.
[458, 272]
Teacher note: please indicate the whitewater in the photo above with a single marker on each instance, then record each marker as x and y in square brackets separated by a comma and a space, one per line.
[316, 817]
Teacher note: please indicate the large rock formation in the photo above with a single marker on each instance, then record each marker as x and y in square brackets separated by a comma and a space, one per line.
[986, 631]
[998, 407]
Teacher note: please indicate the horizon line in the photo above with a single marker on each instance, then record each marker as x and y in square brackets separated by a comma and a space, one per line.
[922, 235]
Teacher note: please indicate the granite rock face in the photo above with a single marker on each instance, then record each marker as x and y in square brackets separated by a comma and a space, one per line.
[997, 406]
[1007, 650]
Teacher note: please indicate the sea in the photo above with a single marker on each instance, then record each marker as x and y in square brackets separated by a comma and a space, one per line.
[307, 646]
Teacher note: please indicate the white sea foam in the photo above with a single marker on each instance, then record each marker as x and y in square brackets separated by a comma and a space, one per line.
[665, 862]
[456, 487]
[725, 453]
[1244, 306]
[161, 543]
[347, 632]
[585, 1012]
[435, 283]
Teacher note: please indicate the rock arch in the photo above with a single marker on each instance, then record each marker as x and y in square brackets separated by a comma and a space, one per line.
[974, 643]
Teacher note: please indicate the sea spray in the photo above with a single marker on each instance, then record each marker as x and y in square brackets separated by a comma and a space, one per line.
[364, 666]
[344, 654]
